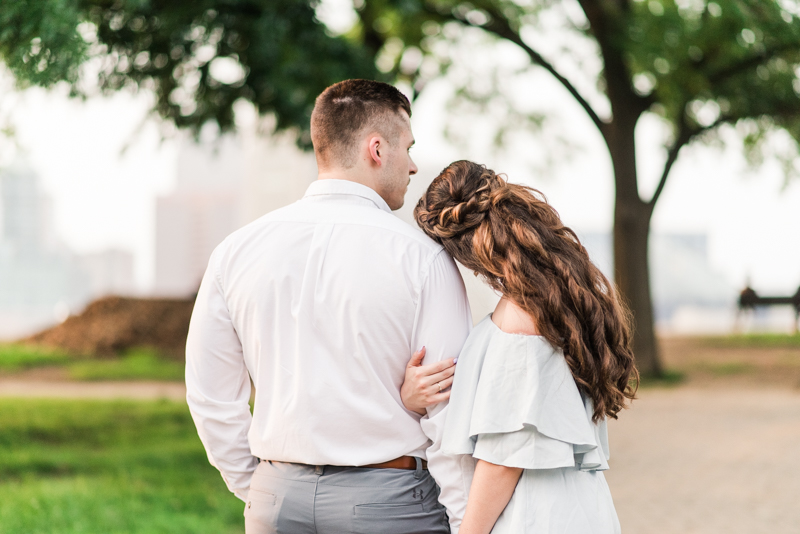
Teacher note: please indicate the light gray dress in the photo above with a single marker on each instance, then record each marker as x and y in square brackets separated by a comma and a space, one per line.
[514, 403]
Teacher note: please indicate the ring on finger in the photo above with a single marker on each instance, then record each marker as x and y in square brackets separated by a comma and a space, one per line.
[440, 386]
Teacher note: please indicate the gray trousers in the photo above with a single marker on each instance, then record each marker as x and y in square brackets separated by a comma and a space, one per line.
[287, 498]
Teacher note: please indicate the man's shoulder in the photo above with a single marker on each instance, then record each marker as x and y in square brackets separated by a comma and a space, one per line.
[392, 223]
[285, 213]
[301, 213]
[354, 215]
[249, 230]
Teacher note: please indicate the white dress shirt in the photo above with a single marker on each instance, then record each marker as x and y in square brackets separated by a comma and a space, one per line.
[321, 304]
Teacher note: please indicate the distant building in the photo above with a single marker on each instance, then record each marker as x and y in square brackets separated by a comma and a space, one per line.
[220, 186]
[110, 272]
[24, 212]
[682, 281]
[36, 276]
[41, 281]
[276, 173]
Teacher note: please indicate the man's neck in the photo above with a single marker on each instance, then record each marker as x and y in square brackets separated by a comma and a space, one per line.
[351, 175]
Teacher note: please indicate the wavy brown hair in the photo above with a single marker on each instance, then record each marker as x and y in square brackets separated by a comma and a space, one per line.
[510, 236]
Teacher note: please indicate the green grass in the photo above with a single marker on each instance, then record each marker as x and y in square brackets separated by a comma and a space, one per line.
[729, 368]
[99, 467]
[765, 340]
[15, 357]
[137, 364]
[668, 378]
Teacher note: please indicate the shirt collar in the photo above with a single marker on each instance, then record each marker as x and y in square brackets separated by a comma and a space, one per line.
[346, 187]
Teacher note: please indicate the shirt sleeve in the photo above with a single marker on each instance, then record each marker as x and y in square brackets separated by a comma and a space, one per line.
[442, 326]
[218, 385]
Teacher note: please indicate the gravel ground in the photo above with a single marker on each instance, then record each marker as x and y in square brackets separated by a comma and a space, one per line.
[699, 460]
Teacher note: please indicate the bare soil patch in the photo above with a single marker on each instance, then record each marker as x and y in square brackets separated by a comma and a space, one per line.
[114, 324]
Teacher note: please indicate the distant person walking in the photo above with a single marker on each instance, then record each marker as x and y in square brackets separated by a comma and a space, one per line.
[320, 304]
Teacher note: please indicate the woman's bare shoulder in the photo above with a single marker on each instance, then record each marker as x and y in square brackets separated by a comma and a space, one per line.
[512, 319]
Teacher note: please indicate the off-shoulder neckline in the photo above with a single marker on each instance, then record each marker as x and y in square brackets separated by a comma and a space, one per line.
[497, 328]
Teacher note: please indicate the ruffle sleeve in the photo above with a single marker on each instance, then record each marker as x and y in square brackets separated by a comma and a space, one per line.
[519, 406]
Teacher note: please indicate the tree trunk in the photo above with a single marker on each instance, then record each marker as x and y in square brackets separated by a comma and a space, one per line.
[631, 233]
[631, 236]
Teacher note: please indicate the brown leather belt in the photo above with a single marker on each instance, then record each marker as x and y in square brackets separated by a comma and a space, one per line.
[404, 462]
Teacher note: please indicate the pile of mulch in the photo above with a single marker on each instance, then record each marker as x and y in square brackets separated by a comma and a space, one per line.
[111, 325]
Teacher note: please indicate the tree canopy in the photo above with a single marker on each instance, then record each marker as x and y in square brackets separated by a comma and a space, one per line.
[197, 56]
[696, 63]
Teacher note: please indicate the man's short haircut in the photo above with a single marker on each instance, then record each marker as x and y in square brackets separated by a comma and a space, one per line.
[345, 109]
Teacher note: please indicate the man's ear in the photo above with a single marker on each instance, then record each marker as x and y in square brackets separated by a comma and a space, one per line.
[375, 148]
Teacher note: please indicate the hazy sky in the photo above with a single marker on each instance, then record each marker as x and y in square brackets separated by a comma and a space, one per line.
[104, 199]
[101, 198]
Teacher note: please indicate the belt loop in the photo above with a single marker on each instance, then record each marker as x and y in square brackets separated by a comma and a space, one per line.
[418, 471]
[319, 469]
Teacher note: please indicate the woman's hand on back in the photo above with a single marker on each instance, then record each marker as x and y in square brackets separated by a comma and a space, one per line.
[426, 385]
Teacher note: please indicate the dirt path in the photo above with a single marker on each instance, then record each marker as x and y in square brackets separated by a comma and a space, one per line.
[16, 387]
[707, 461]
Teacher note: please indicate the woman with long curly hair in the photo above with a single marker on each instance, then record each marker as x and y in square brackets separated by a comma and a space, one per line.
[537, 378]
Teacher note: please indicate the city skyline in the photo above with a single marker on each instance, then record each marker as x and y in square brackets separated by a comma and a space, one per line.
[42, 281]
[223, 185]
[104, 197]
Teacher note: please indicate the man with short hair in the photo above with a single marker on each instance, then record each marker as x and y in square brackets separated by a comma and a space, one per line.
[321, 303]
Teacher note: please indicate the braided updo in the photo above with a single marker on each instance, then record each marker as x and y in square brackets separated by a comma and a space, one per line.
[510, 236]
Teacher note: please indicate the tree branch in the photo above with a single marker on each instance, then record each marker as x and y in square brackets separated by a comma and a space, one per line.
[685, 135]
[498, 25]
[748, 63]
[672, 156]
